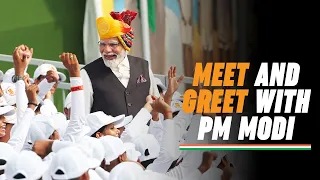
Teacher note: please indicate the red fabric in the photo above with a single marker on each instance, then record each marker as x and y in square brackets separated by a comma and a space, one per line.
[125, 16]
[76, 88]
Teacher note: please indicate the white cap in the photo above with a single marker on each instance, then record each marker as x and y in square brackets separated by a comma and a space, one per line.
[9, 90]
[48, 109]
[7, 77]
[113, 147]
[27, 164]
[132, 153]
[44, 68]
[148, 146]
[9, 95]
[41, 128]
[99, 119]
[5, 109]
[6, 152]
[127, 171]
[176, 106]
[94, 149]
[11, 119]
[69, 163]
[60, 123]
[159, 83]
[125, 121]
[67, 101]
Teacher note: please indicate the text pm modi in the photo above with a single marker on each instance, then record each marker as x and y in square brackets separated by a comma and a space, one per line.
[264, 128]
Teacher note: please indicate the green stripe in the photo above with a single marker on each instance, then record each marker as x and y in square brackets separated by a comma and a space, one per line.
[244, 149]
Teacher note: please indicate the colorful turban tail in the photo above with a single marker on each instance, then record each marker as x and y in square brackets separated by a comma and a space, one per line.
[126, 17]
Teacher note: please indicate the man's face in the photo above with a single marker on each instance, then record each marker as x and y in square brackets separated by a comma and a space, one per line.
[112, 52]
[2, 126]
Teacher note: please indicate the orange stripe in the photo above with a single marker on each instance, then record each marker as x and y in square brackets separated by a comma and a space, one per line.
[245, 145]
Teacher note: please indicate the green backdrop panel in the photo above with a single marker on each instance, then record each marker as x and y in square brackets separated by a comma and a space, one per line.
[49, 26]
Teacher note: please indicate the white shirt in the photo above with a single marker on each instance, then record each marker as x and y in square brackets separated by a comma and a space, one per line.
[22, 100]
[2, 177]
[156, 129]
[168, 149]
[94, 175]
[77, 123]
[136, 127]
[102, 173]
[20, 131]
[122, 72]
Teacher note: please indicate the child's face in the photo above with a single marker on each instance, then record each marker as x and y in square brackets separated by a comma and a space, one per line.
[111, 130]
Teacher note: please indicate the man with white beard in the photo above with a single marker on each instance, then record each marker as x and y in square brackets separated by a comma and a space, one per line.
[117, 83]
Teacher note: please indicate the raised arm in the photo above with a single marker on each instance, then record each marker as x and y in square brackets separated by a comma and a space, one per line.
[76, 125]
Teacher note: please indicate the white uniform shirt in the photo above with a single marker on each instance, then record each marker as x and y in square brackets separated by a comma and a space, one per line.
[102, 173]
[122, 72]
[77, 122]
[168, 149]
[137, 126]
[20, 130]
[94, 175]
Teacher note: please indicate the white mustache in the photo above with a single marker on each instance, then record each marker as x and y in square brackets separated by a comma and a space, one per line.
[109, 54]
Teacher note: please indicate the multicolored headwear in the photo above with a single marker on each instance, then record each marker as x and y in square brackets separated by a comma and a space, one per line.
[117, 24]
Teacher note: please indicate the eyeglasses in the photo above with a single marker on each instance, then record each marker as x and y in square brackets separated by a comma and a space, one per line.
[113, 45]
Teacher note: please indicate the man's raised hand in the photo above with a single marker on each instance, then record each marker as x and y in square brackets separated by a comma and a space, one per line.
[21, 58]
[70, 61]
[174, 83]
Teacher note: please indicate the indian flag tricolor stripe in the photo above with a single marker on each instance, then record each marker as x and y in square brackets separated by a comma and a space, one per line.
[237, 147]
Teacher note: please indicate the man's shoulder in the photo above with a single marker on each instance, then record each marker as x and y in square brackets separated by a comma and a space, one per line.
[93, 64]
[137, 59]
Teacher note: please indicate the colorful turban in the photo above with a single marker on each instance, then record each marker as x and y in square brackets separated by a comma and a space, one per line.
[117, 24]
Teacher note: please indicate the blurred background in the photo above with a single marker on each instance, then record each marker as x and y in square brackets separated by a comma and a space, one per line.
[167, 32]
